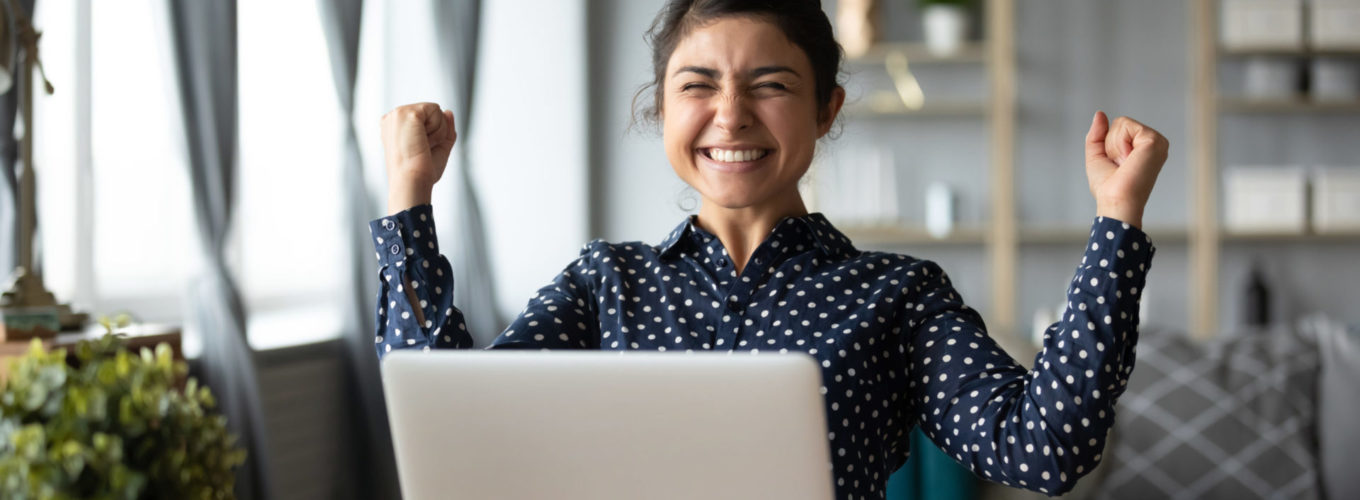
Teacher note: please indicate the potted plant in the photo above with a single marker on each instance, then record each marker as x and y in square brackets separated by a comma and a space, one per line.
[109, 423]
[946, 25]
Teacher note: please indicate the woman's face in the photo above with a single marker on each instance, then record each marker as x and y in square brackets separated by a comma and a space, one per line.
[740, 114]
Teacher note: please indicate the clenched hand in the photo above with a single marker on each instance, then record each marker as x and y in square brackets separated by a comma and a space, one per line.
[1122, 163]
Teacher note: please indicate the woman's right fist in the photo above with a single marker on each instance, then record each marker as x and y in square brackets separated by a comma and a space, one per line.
[417, 139]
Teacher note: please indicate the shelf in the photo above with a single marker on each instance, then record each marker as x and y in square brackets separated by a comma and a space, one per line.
[894, 235]
[1077, 236]
[888, 105]
[1286, 105]
[917, 53]
[907, 235]
[1294, 52]
[1291, 237]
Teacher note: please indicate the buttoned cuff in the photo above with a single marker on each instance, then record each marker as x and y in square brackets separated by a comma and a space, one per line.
[1115, 266]
[404, 234]
[1119, 245]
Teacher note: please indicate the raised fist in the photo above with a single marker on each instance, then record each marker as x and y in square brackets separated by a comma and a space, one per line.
[417, 139]
[1122, 163]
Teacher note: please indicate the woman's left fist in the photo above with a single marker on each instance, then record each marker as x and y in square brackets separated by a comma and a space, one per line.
[1122, 163]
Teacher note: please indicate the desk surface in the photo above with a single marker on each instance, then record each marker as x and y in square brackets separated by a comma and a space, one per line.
[137, 336]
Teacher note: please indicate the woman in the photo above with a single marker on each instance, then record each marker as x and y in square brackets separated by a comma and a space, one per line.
[744, 90]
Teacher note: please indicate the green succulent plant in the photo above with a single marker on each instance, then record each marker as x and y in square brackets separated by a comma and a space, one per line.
[111, 425]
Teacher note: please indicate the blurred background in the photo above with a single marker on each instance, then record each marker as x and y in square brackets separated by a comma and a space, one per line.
[210, 168]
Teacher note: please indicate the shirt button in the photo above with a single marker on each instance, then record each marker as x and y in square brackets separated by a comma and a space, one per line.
[734, 305]
[395, 249]
[722, 262]
[389, 225]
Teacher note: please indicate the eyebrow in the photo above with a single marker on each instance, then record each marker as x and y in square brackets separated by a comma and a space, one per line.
[755, 73]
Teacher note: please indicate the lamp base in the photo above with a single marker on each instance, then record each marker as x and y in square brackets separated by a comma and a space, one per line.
[28, 302]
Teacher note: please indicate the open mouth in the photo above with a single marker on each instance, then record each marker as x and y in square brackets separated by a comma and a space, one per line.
[734, 155]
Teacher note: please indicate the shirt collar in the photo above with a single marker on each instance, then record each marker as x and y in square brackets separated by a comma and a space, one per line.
[813, 227]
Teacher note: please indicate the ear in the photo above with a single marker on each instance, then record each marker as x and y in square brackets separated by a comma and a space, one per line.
[827, 115]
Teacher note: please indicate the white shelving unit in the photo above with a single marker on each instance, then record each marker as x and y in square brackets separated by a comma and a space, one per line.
[1206, 235]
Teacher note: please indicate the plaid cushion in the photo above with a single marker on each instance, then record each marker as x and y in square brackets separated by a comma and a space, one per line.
[1233, 419]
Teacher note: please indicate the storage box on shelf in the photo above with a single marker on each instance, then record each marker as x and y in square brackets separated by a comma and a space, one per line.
[1265, 200]
[1334, 24]
[1285, 43]
[1271, 77]
[1336, 200]
[1335, 79]
[1261, 24]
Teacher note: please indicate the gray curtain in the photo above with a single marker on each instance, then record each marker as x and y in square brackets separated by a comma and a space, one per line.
[9, 161]
[204, 47]
[476, 286]
[372, 466]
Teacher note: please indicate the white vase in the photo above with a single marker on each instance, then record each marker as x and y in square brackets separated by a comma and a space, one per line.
[939, 209]
[945, 26]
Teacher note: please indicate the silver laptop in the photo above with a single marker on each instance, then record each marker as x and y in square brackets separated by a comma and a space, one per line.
[600, 425]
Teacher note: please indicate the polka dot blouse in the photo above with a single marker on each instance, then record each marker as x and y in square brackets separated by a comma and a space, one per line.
[897, 345]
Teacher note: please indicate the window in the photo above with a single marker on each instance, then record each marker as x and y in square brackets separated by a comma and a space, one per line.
[292, 222]
[115, 202]
[129, 245]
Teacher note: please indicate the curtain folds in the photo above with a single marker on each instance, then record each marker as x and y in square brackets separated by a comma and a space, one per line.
[372, 464]
[476, 289]
[204, 48]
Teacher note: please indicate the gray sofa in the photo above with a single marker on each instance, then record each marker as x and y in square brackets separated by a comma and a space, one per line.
[1254, 414]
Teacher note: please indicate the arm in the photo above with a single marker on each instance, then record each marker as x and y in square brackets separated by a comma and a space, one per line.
[1044, 428]
[417, 140]
[413, 272]
[415, 299]
[561, 315]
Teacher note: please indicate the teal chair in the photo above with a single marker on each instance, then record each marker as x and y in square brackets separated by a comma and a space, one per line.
[929, 474]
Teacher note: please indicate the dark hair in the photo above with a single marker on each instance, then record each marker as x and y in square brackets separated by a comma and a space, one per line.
[802, 21]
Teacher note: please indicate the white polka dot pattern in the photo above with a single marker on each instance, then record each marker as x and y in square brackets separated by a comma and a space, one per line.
[897, 345]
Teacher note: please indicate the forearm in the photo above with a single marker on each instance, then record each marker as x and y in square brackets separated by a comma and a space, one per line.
[415, 306]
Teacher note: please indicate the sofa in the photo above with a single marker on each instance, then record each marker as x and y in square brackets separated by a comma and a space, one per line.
[1258, 413]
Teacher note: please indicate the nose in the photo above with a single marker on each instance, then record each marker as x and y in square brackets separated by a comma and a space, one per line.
[732, 115]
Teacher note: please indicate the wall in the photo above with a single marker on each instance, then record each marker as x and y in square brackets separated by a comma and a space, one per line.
[530, 142]
[636, 193]
[527, 136]
[1074, 56]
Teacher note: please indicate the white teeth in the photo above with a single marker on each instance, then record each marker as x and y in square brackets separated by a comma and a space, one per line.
[730, 156]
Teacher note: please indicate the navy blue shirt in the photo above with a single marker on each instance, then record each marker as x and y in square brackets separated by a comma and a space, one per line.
[897, 345]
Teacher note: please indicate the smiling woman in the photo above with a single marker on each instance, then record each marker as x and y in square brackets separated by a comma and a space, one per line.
[744, 90]
[741, 121]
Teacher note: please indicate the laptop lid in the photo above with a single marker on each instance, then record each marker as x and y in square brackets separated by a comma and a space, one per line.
[591, 424]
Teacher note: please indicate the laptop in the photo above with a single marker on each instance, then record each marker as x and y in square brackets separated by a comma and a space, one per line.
[605, 425]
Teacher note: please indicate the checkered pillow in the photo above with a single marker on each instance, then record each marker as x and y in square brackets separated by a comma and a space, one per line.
[1233, 419]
